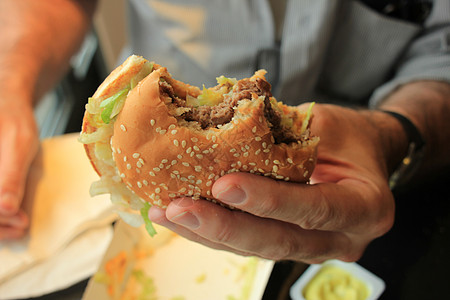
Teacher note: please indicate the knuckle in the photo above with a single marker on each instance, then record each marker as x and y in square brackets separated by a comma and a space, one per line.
[317, 217]
[224, 234]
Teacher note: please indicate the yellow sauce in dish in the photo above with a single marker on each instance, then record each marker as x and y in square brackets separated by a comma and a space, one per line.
[334, 283]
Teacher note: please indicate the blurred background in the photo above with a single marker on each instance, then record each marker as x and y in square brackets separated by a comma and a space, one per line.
[61, 110]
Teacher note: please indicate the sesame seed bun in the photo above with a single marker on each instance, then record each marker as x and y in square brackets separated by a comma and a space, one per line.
[159, 156]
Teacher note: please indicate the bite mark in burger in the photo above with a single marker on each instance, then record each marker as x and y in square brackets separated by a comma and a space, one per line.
[152, 138]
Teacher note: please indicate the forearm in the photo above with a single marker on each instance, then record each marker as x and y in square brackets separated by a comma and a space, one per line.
[427, 105]
[38, 39]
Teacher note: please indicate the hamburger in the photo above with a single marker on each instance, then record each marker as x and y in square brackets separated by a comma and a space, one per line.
[152, 138]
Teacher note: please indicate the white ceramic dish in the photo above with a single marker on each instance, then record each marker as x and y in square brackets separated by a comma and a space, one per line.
[375, 284]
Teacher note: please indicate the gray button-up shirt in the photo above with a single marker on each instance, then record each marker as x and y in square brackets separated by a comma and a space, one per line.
[328, 50]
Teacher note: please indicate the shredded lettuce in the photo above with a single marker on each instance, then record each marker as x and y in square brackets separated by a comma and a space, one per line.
[148, 224]
[112, 105]
[224, 80]
[308, 117]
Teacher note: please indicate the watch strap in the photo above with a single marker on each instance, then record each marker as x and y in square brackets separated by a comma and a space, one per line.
[416, 146]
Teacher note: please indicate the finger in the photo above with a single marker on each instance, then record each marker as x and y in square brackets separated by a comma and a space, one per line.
[19, 221]
[247, 233]
[325, 206]
[10, 233]
[18, 147]
[158, 216]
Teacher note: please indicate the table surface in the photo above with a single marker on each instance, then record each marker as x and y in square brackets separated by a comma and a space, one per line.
[412, 258]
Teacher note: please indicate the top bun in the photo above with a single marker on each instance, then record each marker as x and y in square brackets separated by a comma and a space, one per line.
[162, 143]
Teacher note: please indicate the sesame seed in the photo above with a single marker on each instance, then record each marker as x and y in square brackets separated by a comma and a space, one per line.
[171, 127]
[183, 179]
[192, 154]
[266, 150]
[145, 182]
[119, 151]
[232, 150]
[174, 132]
[172, 176]
[214, 146]
[122, 175]
[161, 166]
[186, 164]
[266, 162]
[175, 172]
[264, 145]
[257, 151]
[182, 190]
[174, 162]
[208, 193]
[194, 139]
[156, 169]
[158, 129]
[199, 181]
[289, 160]
[183, 143]
[236, 155]
[151, 173]
[128, 166]
[257, 138]
[138, 171]
[172, 195]
[245, 154]
[275, 169]
[198, 168]
[164, 161]
[152, 122]
[211, 176]
[141, 161]
[163, 131]
[176, 143]
[188, 150]
[199, 156]
[157, 190]
[123, 127]
[138, 164]
[179, 156]
[124, 158]
[196, 148]
[139, 184]
[136, 155]
[214, 138]
[276, 161]
[205, 151]
[209, 183]
[254, 129]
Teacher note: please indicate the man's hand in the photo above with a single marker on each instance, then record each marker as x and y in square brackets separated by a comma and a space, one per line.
[18, 147]
[347, 204]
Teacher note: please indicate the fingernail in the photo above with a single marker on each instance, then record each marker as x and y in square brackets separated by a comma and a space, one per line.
[186, 219]
[232, 195]
[156, 214]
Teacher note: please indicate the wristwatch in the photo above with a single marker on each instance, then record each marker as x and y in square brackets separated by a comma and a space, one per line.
[416, 149]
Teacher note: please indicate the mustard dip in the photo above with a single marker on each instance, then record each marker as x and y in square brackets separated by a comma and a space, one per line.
[334, 283]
